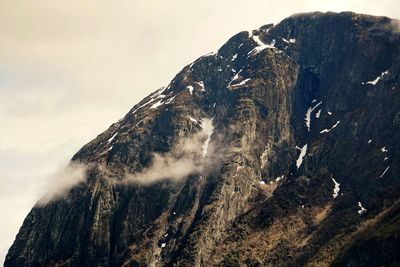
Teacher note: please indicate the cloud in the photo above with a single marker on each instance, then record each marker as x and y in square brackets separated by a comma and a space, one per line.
[192, 155]
[59, 184]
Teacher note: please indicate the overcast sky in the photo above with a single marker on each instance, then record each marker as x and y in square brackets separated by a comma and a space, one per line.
[68, 69]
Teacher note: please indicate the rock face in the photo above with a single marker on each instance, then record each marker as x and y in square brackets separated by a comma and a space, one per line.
[299, 168]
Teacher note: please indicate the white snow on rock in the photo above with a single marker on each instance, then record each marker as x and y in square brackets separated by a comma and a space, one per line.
[145, 104]
[192, 119]
[170, 100]
[279, 178]
[374, 82]
[201, 84]
[362, 209]
[290, 41]
[318, 114]
[303, 152]
[369, 141]
[112, 138]
[190, 87]
[329, 113]
[159, 92]
[163, 245]
[234, 78]
[384, 172]
[333, 127]
[260, 45]
[239, 84]
[208, 129]
[336, 189]
[156, 105]
[234, 57]
[386, 158]
[108, 149]
[166, 235]
[308, 115]
[384, 150]
[262, 182]
[157, 95]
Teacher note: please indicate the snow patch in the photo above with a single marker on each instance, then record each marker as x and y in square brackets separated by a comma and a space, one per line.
[336, 189]
[362, 209]
[374, 82]
[369, 141]
[235, 77]
[156, 105]
[303, 152]
[170, 100]
[190, 87]
[262, 182]
[308, 115]
[279, 178]
[333, 127]
[112, 138]
[201, 84]
[384, 172]
[260, 45]
[239, 84]
[318, 114]
[384, 150]
[159, 91]
[292, 40]
[192, 119]
[163, 245]
[234, 57]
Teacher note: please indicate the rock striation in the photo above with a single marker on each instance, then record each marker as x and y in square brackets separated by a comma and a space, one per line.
[280, 149]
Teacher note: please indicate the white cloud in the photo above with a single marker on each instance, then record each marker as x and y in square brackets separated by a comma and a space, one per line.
[59, 183]
[186, 158]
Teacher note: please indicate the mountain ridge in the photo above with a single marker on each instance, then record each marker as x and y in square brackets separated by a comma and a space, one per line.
[302, 154]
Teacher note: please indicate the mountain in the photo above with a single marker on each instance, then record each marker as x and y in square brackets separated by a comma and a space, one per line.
[280, 149]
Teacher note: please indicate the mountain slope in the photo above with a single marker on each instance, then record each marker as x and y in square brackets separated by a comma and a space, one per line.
[279, 149]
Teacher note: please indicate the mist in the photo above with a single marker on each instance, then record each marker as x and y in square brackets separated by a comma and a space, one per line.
[62, 181]
[192, 155]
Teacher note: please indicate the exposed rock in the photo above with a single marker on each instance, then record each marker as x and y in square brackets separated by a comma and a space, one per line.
[246, 203]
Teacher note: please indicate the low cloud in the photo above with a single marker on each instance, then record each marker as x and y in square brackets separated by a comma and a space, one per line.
[60, 183]
[193, 155]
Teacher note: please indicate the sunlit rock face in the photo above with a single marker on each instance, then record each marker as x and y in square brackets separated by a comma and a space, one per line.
[281, 148]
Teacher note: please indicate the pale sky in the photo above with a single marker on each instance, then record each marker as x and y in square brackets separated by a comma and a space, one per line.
[68, 69]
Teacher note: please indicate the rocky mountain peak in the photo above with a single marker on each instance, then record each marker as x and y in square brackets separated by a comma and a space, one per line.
[278, 149]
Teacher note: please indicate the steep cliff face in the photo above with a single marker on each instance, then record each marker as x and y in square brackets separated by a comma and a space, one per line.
[279, 149]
